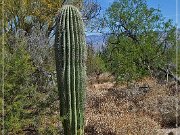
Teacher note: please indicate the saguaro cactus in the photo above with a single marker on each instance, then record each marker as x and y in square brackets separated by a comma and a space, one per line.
[70, 55]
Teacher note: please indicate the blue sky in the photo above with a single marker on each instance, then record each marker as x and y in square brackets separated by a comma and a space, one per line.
[167, 7]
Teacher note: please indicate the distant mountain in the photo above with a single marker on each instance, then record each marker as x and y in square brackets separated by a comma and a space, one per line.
[97, 40]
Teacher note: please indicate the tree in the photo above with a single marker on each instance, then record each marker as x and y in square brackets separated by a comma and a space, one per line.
[95, 63]
[20, 14]
[140, 42]
[23, 14]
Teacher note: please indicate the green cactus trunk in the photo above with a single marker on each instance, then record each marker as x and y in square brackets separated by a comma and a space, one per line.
[70, 55]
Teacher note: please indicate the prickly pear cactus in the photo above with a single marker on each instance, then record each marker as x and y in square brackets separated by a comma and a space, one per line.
[70, 55]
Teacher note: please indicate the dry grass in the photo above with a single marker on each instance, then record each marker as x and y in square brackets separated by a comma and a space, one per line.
[162, 109]
[116, 110]
[127, 124]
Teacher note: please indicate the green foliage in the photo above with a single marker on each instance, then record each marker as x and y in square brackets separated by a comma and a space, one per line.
[141, 41]
[122, 59]
[18, 69]
[95, 63]
[132, 17]
[177, 58]
[99, 64]
[23, 14]
[70, 55]
[31, 99]
[19, 12]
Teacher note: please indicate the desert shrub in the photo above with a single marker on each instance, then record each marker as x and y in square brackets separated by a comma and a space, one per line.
[95, 64]
[19, 92]
[30, 90]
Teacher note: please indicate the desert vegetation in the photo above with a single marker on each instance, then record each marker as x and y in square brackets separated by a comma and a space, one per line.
[132, 85]
[145, 107]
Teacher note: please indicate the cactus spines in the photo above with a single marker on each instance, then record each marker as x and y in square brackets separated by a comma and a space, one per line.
[70, 55]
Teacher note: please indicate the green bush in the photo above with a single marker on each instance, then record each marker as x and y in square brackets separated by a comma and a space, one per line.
[18, 90]
[95, 63]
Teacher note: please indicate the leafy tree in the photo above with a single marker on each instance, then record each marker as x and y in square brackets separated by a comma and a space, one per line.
[19, 14]
[140, 42]
[24, 14]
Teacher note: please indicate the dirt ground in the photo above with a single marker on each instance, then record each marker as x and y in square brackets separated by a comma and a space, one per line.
[116, 109]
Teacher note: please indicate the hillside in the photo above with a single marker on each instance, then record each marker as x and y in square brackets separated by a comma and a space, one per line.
[97, 40]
